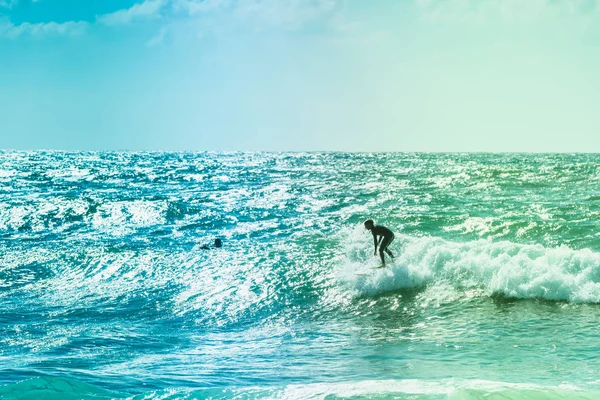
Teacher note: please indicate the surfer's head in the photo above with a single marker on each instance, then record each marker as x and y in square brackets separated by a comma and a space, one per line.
[369, 224]
[218, 243]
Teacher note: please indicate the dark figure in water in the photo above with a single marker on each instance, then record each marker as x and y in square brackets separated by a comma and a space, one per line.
[218, 243]
[386, 237]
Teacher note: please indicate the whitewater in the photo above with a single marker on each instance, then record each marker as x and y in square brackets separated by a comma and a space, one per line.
[107, 292]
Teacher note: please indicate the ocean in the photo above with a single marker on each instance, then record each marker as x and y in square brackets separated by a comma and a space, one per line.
[106, 290]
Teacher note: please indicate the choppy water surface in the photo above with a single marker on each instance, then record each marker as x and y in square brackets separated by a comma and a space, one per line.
[105, 291]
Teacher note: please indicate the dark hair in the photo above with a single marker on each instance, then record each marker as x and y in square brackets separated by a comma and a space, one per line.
[218, 243]
[369, 222]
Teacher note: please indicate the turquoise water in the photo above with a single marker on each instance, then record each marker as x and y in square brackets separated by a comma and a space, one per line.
[106, 292]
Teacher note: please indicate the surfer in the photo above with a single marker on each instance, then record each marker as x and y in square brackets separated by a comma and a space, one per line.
[386, 236]
[218, 244]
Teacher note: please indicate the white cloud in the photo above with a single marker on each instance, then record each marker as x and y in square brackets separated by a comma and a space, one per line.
[149, 9]
[290, 14]
[287, 14]
[10, 30]
[159, 38]
[8, 3]
[193, 7]
[510, 11]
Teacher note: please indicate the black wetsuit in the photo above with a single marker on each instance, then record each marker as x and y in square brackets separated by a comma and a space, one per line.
[386, 237]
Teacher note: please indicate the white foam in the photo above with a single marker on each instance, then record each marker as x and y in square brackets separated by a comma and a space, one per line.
[4, 173]
[120, 217]
[512, 269]
[445, 388]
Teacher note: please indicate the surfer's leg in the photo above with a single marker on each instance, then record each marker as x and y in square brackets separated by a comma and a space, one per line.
[383, 247]
[381, 255]
[388, 251]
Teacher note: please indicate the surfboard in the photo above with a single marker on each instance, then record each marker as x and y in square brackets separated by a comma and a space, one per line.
[370, 271]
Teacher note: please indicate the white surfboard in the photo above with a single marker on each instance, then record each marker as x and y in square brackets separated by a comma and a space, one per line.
[371, 270]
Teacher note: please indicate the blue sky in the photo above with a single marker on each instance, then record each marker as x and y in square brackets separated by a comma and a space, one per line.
[350, 75]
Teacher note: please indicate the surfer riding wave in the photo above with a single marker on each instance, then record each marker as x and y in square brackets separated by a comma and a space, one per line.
[386, 237]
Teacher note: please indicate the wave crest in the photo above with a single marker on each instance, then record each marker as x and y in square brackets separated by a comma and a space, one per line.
[514, 270]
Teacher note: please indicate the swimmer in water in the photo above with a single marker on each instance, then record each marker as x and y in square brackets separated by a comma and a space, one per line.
[218, 244]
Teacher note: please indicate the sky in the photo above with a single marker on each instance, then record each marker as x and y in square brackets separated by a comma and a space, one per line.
[300, 75]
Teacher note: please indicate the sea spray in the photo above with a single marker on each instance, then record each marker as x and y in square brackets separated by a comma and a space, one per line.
[511, 269]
